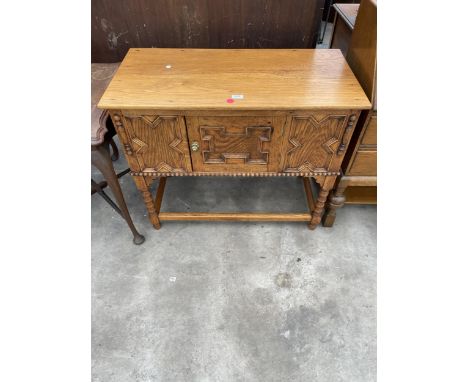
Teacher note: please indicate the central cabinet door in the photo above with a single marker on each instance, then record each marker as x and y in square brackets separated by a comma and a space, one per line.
[241, 144]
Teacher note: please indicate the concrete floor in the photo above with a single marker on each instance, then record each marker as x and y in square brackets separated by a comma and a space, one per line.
[203, 301]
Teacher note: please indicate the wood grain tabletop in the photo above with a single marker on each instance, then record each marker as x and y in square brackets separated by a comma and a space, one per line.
[237, 79]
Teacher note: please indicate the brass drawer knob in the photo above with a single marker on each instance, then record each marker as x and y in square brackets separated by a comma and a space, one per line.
[195, 146]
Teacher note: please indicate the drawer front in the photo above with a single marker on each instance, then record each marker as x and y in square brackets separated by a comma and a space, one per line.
[317, 141]
[156, 143]
[364, 163]
[369, 137]
[235, 144]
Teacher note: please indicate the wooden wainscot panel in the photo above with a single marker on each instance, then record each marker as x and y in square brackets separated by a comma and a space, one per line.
[158, 143]
[202, 24]
[235, 143]
[316, 141]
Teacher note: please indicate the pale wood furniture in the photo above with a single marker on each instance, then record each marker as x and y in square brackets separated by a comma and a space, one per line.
[359, 168]
[343, 25]
[102, 132]
[199, 112]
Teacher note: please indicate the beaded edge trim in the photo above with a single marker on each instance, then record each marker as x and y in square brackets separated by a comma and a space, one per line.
[245, 174]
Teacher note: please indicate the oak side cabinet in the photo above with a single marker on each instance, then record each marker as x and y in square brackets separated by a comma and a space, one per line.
[236, 112]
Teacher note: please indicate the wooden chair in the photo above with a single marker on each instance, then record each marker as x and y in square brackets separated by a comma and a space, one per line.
[102, 133]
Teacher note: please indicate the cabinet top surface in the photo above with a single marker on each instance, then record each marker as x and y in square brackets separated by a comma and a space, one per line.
[237, 79]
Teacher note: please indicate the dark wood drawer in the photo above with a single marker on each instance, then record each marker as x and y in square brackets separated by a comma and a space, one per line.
[364, 163]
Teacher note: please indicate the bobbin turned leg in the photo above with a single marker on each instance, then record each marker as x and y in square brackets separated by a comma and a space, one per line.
[326, 185]
[336, 199]
[143, 184]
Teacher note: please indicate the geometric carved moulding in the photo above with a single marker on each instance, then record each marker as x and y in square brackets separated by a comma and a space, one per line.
[141, 146]
[246, 144]
[159, 143]
[313, 142]
[152, 120]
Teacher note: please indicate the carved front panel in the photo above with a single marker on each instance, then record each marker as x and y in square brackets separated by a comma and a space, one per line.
[317, 141]
[159, 143]
[248, 144]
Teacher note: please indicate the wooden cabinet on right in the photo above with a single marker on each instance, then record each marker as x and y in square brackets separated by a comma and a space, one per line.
[358, 182]
[363, 161]
[343, 25]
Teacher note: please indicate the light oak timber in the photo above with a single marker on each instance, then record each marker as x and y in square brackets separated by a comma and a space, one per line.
[202, 79]
[294, 115]
[326, 184]
[236, 143]
[365, 181]
[235, 216]
[220, 113]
